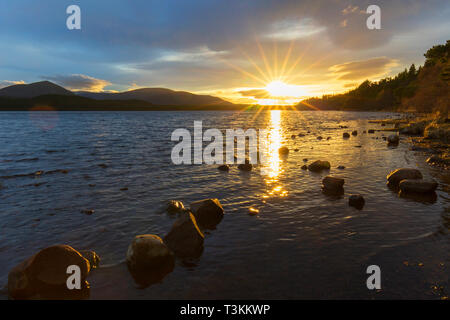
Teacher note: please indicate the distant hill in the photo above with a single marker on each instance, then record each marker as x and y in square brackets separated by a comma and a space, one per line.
[158, 96]
[33, 90]
[425, 89]
[46, 93]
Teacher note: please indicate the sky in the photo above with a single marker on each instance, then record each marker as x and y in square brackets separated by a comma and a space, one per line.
[265, 51]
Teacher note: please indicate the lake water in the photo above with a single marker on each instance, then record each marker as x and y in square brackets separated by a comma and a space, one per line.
[303, 244]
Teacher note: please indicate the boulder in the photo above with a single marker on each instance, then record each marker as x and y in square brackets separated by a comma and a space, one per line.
[393, 139]
[185, 238]
[149, 259]
[92, 257]
[356, 200]
[224, 167]
[44, 275]
[398, 175]
[175, 206]
[284, 151]
[208, 213]
[417, 186]
[345, 135]
[332, 183]
[319, 165]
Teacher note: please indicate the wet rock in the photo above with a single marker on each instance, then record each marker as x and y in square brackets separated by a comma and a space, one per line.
[92, 257]
[319, 165]
[398, 175]
[415, 128]
[305, 160]
[253, 211]
[208, 213]
[149, 259]
[88, 212]
[293, 136]
[296, 150]
[304, 167]
[345, 135]
[284, 151]
[393, 139]
[44, 275]
[301, 134]
[417, 186]
[319, 138]
[224, 167]
[185, 238]
[333, 184]
[437, 160]
[354, 133]
[175, 206]
[341, 167]
[356, 200]
[245, 167]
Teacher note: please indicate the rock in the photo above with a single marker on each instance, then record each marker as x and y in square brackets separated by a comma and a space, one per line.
[185, 238]
[175, 206]
[304, 167]
[356, 200]
[328, 138]
[319, 138]
[301, 134]
[393, 139]
[354, 133]
[293, 136]
[224, 167]
[319, 165]
[102, 165]
[44, 275]
[371, 131]
[88, 212]
[417, 186]
[333, 184]
[253, 211]
[283, 151]
[305, 160]
[398, 175]
[439, 131]
[296, 150]
[415, 128]
[341, 167]
[345, 135]
[245, 167]
[208, 212]
[149, 259]
[92, 257]
[435, 159]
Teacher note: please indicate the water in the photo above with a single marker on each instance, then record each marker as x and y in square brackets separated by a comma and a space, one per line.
[303, 244]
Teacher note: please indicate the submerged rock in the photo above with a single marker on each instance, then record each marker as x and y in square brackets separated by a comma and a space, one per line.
[356, 200]
[319, 165]
[149, 259]
[398, 175]
[44, 275]
[333, 184]
[393, 139]
[185, 238]
[208, 212]
[417, 186]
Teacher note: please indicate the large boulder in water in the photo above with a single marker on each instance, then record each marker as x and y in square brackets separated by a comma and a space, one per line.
[208, 212]
[319, 165]
[417, 186]
[149, 259]
[44, 275]
[398, 175]
[185, 238]
[333, 184]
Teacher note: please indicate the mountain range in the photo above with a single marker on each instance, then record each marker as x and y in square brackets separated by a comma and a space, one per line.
[46, 92]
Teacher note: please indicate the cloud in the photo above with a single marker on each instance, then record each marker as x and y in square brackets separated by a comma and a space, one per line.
[7, 83]
[255, 93]
[79, 82]
[286, 30]
[363, 69]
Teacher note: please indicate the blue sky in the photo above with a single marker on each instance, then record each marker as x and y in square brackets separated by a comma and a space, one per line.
[223, 47]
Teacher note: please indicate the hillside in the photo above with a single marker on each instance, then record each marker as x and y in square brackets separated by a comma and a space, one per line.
[425, 89]
[33, 90]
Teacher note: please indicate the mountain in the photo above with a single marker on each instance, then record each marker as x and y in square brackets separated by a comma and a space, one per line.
[426, 89]
[158, 96]
[33, 90]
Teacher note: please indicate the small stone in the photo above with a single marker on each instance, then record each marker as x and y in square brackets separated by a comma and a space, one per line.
[253, 211]
[341, 167]
[319, 138]
[283, 151]
[245, 167]
[345, 135]
[175, 206]
[333, 183]
[371, 131]
[354, 133]
[319, 165]
[224, 167]
[356, 200]
[88, 212]
[304, 167]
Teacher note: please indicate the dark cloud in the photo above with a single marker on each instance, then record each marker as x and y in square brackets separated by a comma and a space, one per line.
[357, 70]
[79, 82]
